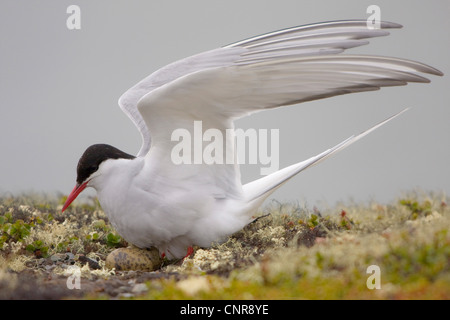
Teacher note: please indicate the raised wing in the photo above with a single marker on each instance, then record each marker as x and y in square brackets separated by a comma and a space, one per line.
[278, 73]
[303, 41]
[129, 100]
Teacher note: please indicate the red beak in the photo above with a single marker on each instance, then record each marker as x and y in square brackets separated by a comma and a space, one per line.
[75, 192]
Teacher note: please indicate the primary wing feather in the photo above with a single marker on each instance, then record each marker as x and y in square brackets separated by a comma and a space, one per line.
[310, 40]
[281, 68]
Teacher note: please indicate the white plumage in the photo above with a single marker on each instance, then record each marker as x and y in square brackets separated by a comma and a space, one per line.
[153, 202]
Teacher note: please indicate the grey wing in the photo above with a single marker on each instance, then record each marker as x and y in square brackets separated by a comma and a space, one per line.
[302, 41]
[128, 101]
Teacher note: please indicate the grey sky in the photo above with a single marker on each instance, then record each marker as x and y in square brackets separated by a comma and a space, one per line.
[59, 90]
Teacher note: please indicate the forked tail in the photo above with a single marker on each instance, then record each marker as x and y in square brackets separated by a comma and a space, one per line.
[257, 191]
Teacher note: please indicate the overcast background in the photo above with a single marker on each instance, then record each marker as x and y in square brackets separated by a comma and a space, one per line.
[59, 90]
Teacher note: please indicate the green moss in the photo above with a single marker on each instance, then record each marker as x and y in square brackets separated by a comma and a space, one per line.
[417, 209]
[38, 248]
[113, 240]
[292, 253]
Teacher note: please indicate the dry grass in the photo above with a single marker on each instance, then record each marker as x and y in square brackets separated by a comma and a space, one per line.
[293, 253]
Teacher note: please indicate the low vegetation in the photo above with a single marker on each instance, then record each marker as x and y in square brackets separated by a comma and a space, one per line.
[290, 252]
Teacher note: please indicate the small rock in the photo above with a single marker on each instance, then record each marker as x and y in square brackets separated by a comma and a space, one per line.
[139, 288]
[50, 267]
[58, 257]
[193, 285]
[70, 256]
[123, 289]
[92, 263]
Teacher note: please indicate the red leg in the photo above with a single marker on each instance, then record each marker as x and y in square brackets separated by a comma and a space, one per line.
[190, 251]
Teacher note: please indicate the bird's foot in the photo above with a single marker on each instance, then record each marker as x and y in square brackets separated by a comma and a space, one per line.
[134, 258]
[190, 251]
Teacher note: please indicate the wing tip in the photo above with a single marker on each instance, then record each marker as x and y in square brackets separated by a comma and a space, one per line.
[390, 25]
[325, 24]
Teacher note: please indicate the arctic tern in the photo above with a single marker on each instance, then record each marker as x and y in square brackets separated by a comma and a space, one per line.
[153, 202]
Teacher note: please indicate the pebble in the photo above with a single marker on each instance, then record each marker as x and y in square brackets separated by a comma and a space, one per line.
[64, 258]
[58, 257]
[92, 263]
[139, 288]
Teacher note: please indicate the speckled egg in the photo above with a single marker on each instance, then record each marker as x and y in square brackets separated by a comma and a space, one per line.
[133, 258]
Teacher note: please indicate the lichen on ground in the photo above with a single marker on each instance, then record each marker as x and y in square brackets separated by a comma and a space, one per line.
[291, 252]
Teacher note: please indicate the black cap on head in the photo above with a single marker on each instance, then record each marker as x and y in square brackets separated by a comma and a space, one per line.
[94, 156]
